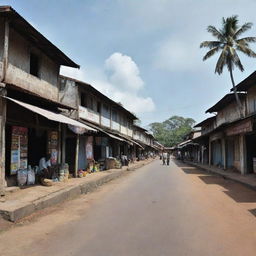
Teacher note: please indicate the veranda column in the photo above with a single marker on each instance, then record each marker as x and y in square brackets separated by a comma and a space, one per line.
[2, 140]
[210, 152]
[242, 153]
[223, 146]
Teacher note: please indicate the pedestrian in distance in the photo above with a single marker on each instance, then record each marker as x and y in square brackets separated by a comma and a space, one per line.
[164, 158]
[168, 158]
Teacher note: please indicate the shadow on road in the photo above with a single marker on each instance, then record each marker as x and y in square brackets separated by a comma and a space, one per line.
[237, 192]
[188, 169]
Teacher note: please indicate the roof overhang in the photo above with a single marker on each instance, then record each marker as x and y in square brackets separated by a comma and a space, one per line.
[18, 23]
[247, 83]
[227, 99]
[57, 117]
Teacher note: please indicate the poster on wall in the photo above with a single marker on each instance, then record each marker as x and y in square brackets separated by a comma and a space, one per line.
[89, 148]
[53, 144]
[19, 149]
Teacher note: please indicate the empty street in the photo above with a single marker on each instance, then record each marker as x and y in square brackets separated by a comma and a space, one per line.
[156, 210]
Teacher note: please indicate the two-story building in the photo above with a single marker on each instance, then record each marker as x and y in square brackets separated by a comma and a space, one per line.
[247, 126]
[226, 133]
[145, 139]
[30, 116]
[112, 121]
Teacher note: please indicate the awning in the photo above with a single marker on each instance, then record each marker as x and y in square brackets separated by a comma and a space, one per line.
[113, 136]
[51, 115]
[107, 133]
[137, 144]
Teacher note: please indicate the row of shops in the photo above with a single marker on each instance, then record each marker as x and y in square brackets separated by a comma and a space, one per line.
[228, 139]
[75, 125]
[32, 132]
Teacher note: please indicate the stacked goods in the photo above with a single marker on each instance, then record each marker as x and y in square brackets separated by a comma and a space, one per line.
[61, 174]
[22, 176]
[31, 176]
[66, 172]
[82, 173]
[118, 164]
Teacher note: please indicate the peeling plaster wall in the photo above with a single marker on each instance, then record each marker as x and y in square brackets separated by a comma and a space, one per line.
[68, 93]
[18, 71]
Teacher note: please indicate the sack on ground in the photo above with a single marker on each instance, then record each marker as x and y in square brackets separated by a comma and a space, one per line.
[22, 177]
[31, 177]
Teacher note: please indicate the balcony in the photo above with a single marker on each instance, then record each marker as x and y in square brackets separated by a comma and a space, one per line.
[115, 126]
[30, 83]
[89, 115]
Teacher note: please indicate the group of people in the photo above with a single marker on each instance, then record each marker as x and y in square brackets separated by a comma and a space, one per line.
[166, 158]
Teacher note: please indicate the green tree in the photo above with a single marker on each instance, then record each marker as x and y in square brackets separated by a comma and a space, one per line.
[227, 43]
[172, 131]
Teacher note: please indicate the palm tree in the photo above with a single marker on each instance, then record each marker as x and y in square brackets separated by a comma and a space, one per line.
[228, 43]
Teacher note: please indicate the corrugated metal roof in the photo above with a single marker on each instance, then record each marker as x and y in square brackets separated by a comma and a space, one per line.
[227, 99]
[247, 83]
[100, 94]
[51, 115]
[208, 120]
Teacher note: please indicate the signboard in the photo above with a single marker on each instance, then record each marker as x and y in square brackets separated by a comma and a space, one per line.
[241, 127]
[89, 148]
[53, 143]
[19, 149]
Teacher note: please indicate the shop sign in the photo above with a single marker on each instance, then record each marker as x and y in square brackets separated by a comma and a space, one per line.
[19, 149]
[89, 148]
[242, 127]
[53, 143]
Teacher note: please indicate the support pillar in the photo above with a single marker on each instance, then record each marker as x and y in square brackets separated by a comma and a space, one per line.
[242, 153]
[77, 154]
[223, 149]
[63, 143]
[2, 140]
[210, 152]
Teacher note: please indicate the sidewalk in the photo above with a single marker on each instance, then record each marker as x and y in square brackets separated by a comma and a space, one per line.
[249, 180]
[23, 202]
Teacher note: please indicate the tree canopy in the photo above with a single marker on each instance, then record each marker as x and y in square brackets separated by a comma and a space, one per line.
[228, 43]
[172, 131]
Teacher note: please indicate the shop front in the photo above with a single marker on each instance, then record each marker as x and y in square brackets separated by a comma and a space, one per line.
[31, 133]
[29, 137]
[240, 141]
[217, 150]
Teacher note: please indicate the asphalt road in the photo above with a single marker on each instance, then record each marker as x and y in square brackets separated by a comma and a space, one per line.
[158, 210]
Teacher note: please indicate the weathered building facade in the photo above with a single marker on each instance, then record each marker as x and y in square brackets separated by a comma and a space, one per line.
[29, 69]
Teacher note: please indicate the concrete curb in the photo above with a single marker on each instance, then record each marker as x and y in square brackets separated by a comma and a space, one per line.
[225, 176]
[64, 195]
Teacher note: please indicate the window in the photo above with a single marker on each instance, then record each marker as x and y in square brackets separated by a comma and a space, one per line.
[34, 65]
[83, 99]
[90, 102]
[62, 84]
[114, 115]
[105, 107]
[98, 106]
[254, 105]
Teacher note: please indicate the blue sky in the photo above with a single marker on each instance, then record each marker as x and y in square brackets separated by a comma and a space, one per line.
[143, 53]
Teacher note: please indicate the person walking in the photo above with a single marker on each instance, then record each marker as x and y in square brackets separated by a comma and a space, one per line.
[164, 158]
[168, 158]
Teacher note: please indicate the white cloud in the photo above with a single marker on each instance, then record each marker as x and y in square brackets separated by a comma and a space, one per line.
[119, 79]
[123, 72]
